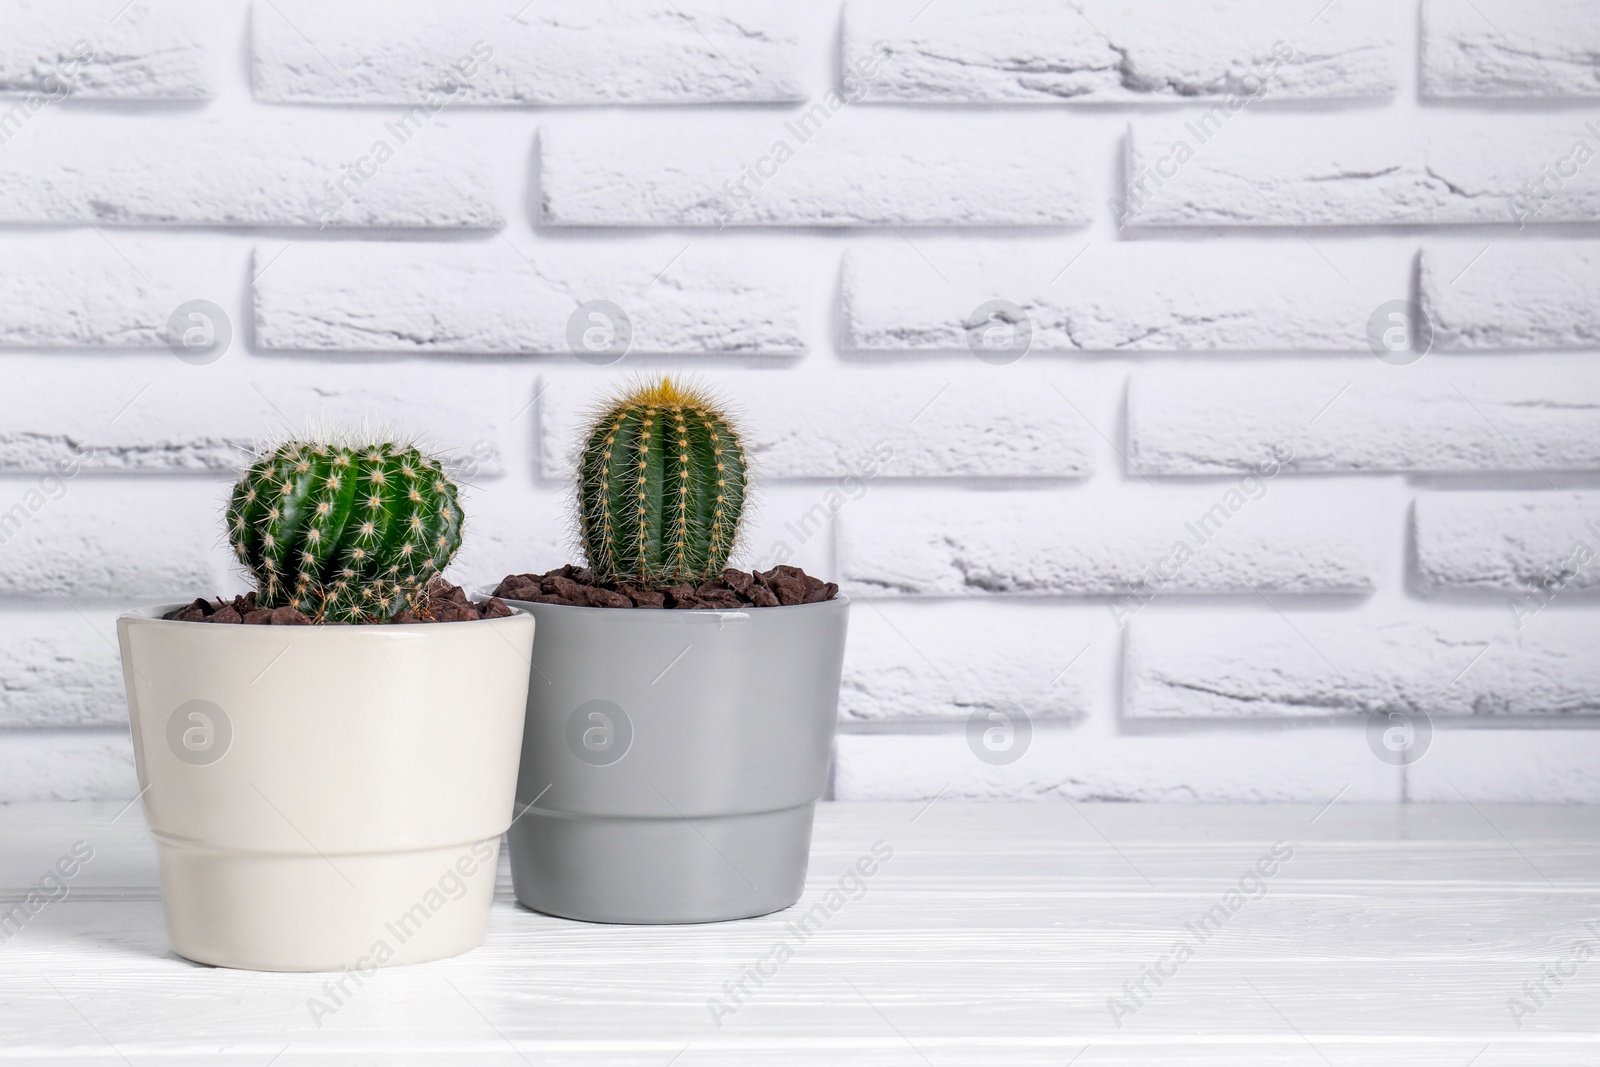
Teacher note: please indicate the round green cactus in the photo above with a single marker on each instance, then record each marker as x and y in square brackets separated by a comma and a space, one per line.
[344, 533]
[661, 488]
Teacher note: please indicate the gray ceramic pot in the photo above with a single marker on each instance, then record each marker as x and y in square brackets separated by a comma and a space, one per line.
[673, 759]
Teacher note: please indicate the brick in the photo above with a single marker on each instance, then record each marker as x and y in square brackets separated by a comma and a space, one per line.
[432, 298]
[73, 290]
[845, 168]
[1533, 294]
[946, 662]
[1113, 51]
[1286, 539]
[1501, 542]
[1502, 48]
[59, 48]
[1537, 766]
[856, 425]
[1536, 415]
[85, 538]
[68, 765]
[554, 52]
[1183, 665]
[792, 523]
[1311, 765]
[1131, 296]
[59, 668]
[274, 171]
[513, 530]
[158, 414]
[1291, 170]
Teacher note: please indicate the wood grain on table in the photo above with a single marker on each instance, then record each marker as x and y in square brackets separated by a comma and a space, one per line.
[1048, 933]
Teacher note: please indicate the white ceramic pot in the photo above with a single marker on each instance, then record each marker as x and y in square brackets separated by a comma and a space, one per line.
[326, 797]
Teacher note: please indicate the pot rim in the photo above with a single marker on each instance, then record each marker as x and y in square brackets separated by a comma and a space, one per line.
[154, 612]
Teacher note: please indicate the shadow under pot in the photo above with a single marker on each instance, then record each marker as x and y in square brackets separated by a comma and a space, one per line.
[672, 759]
[326, 797]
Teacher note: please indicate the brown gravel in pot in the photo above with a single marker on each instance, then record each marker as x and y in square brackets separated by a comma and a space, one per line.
[576, 587]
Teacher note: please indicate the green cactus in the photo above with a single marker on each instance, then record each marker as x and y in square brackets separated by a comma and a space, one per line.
[661, 488]
[344, 533]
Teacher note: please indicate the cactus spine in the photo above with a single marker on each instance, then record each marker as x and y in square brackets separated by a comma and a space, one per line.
[344, 533]
[661, 488]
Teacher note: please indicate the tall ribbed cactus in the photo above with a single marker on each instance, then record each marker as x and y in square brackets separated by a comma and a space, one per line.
[344, 533]
[661, 488]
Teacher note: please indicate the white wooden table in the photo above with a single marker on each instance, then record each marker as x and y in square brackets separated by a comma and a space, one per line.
[995, 934]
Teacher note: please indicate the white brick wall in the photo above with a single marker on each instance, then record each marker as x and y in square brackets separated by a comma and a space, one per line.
[162, 416]
[1528, 295]
[1144, 296]
[60, 669]
[90, 50]
[74, 290]
[1497, 49]
[1279, 170]
[487, 299]
[844, 167]
[561, 52]
[276, 171]
[1190, 540]
[1546, 542]
[1088, 763]
[1121, 51]
[1195, 542]
[1195, 666]
[103, 540]
[1528, 415]
[942, 662]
